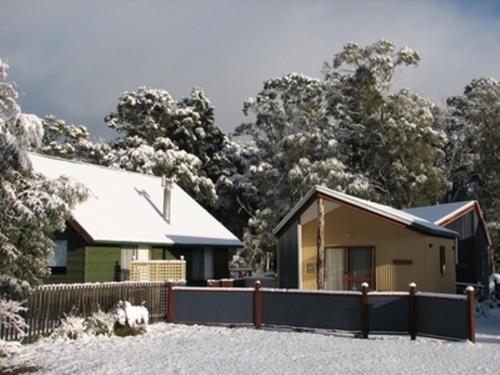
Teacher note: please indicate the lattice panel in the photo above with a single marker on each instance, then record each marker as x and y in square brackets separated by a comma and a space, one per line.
[158, 270]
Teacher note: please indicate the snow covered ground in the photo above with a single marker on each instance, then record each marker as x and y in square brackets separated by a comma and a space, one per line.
[179, 349]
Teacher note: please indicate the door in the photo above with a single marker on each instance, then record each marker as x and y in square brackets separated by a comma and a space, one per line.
[346, 268]
[334, 268]
[359, 268]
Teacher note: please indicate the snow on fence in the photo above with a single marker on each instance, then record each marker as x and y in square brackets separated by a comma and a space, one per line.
[158, 270]
[430, 314]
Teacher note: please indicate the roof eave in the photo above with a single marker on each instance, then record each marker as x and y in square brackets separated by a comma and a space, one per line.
[320, 190]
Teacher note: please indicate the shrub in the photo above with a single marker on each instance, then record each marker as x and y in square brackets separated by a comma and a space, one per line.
[72, 327]
[100, 323]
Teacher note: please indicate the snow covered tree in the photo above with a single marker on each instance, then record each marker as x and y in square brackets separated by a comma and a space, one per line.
[473, 126]
[71, 141]
[295, 148]
[163, 136]
[392, 139]
[32, 208]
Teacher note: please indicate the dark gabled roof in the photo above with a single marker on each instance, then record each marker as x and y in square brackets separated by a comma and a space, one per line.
[439, 212]
[398, 216]
[446, 213]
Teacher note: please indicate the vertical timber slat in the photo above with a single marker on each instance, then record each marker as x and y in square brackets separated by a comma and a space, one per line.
[412, 311]
[471, 314]
[320, 244]
[170, 303]
[365, 324]
[257, 306]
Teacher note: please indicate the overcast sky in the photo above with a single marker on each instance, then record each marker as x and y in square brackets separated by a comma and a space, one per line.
[73, 59]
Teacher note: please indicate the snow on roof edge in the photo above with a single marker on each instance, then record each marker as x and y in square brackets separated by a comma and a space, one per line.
[400, 216]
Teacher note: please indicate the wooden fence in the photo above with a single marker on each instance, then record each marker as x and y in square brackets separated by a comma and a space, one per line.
[442, 315]
[49, 303]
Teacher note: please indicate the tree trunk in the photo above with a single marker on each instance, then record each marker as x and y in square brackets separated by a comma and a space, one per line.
[320, 243]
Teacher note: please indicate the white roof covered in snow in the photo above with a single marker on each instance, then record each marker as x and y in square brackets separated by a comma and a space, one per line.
[393, 214]
[126, 207]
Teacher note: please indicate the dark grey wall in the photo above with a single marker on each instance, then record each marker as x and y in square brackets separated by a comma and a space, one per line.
[288, 263]
[473, 257]
[212, 306]
[314, 310]
[442, 316]
[437, 315]
[388, 313]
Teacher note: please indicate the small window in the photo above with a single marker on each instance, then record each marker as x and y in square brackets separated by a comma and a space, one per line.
[442, 260]
[59, 260]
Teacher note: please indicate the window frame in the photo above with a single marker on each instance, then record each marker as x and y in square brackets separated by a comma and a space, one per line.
[57, 269]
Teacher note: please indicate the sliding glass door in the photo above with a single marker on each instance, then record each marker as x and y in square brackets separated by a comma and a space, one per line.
[347, 268]
[334, 269]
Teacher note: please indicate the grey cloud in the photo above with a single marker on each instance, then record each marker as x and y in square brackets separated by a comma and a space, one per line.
[74, 59]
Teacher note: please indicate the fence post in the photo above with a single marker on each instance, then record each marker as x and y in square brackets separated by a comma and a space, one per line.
[170, 302]
[471, 313]
[257, 306]
[412, 311]
[365, 324]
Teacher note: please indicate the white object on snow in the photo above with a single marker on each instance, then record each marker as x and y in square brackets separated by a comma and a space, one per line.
[127, 314]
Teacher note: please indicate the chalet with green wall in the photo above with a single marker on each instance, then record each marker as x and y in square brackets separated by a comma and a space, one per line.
[133, 216]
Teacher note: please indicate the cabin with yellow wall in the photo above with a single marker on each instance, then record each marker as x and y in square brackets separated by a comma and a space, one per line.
[362, 242]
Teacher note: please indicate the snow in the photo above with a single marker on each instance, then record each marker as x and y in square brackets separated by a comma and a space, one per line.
[182, 349]
[106, 217]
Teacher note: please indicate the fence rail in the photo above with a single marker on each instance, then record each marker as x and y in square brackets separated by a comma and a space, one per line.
[448, 316]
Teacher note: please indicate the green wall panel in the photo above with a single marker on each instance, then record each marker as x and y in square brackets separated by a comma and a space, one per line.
[161, 254]
[75, 270]
[100, 263]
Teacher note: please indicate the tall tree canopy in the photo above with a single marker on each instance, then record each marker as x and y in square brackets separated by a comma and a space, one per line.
[392, 138]
[473, 125]
[32, 208]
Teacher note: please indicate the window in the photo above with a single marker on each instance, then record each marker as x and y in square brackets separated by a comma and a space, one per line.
[442, 260]
[59, 260]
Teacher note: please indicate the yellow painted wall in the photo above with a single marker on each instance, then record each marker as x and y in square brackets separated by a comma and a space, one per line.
[346, 226]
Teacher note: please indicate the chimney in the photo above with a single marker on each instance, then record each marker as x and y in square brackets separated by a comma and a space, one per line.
[166, 184]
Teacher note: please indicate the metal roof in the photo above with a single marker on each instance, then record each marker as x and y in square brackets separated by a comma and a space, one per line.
[399, 216]
[126, 207]
[439, 212]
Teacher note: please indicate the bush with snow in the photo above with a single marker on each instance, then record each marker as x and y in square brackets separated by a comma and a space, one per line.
[100, 323]
[124, 319]
[8, 348]
[72, 327]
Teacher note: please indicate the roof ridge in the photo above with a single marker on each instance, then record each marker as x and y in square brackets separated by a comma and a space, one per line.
[441, 204]
[81, 162]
